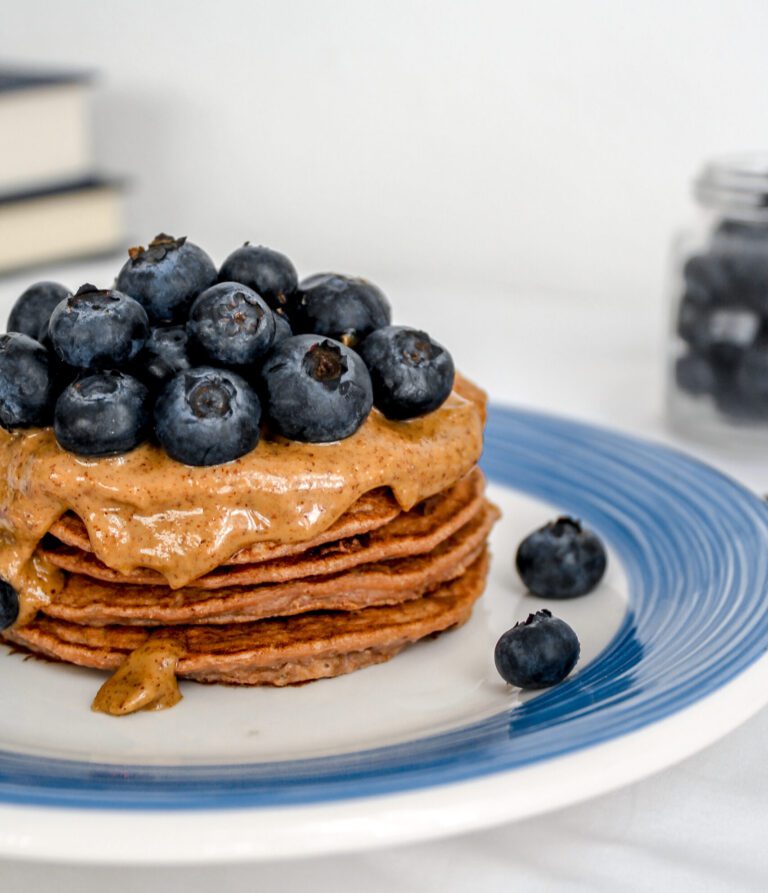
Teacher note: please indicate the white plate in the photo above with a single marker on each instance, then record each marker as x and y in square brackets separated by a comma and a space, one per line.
[432, 742]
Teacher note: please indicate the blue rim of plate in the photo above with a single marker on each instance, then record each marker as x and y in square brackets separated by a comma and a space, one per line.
[694, 547]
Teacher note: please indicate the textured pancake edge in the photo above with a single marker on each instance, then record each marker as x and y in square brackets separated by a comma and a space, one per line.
[388, 630]
[360, 588]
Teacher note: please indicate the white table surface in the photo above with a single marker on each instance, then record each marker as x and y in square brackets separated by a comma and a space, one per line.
[698, 826]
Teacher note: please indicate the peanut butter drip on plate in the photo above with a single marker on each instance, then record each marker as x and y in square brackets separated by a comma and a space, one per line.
[146, 681]
[142, 509]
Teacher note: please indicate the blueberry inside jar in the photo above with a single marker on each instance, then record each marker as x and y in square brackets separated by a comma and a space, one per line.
[718, 364]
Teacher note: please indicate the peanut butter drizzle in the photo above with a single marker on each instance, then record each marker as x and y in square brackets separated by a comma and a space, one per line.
[142, 509]
[146, 681]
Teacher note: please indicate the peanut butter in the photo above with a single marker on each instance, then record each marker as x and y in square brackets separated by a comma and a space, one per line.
[142, 509]
[146, 681]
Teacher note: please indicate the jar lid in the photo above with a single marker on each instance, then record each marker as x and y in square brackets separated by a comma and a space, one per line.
[736, 184]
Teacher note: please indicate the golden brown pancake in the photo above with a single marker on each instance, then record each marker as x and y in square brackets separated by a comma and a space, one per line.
[88, 601]
[279, 651]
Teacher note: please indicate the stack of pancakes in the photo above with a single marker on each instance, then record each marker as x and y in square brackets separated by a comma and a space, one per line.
[279, 613]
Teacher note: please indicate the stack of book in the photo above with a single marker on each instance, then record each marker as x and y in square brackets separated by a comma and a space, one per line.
[53, 206]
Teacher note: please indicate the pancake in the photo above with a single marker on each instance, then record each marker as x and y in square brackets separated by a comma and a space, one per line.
[409, 533]
[96, 603]
[279, 651]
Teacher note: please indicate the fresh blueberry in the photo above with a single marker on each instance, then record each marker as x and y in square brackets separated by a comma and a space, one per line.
[229, 324]
[97, 329]
[283, 328]
[166, 277]
[340, 307]
[270, 274]
[539, 652]
[734, 272]
[695, 374]
[164, 355]
[26, 382]
[33, 308]
[411, 374]
[207, 416]
[561, 560]
[9, 605]
[102, 414]
[722, 333]
[695, 305]
[316, 390]
[709, 273]
[751, 385]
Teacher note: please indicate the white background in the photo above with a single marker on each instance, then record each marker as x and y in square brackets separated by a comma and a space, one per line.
[524, 163]
[547, 145]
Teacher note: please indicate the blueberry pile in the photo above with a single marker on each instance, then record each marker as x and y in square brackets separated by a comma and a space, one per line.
[723, 322]
[204, 361]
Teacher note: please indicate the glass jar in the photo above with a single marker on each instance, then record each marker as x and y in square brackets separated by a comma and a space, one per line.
[718, 370]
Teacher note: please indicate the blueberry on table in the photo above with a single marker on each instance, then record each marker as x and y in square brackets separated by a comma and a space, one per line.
[33, 308]
[341, 307]
[9, 605]
[207, 416]
[26, 382]
[411, 374]
[539, 652]
[165, 354]
[270, 274]
[229, 324]
[316, 389]
[98, 328]
[102, 414]
[166, 277]
[561, 560]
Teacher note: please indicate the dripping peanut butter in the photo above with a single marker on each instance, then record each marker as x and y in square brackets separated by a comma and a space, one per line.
[142, 509]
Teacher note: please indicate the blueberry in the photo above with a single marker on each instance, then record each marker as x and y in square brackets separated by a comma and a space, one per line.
[97, 329]
[695, 305]
[561, 560]
[26, 382]
[734, 272]
[229, 324]
[695, 374]
[166, 277]
[270, 274]
[751, 384]
[283, 328]
[164, 355]
[9, 605]
[340, 307]
[102, 414]
[207, 416]
[722, 333]
[33, 308]
[411, 374]
[709, 273]
[539, 652]
[316, 390]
